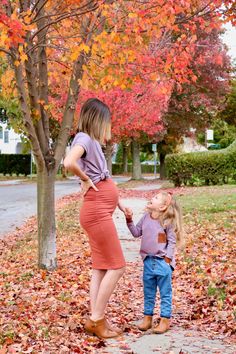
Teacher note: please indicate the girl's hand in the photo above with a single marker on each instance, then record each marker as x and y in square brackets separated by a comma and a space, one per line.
[128, 213]
[86, 185]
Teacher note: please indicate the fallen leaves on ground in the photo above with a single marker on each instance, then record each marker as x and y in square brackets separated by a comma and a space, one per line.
[44, 312]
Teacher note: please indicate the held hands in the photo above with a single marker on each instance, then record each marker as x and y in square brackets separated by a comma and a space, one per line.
[127, 211]
[86, 185]
[128, 214]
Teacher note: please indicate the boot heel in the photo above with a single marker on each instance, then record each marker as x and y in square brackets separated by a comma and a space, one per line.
[99, 328]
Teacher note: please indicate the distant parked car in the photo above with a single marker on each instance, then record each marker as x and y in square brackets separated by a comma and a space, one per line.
[150, 162]
[214, 147]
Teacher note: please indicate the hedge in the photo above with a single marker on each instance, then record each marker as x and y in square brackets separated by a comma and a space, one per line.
[117, 168]
[208, 167]
[15, 164]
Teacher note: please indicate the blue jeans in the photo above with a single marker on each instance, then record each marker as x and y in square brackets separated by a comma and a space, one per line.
[157, 273]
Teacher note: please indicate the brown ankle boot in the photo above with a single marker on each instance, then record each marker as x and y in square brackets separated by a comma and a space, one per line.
[99, 328]
[146, 323]
[113, 328]
[163, 326]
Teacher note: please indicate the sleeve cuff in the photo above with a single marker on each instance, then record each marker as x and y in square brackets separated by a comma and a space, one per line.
[129, 220]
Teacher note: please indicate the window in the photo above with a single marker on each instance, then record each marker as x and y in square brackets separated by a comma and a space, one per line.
[6, 136]
[1, 133]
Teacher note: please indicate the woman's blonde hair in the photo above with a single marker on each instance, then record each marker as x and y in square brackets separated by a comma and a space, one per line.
[172, 215]
[95, 120]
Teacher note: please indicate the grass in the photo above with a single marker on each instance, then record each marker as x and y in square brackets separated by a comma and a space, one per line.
[207, 202]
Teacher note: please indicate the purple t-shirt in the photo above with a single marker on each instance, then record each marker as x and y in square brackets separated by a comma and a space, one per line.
[93, 164]
[155, 240]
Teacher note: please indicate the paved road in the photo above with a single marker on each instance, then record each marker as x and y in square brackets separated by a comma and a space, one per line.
[18, 201]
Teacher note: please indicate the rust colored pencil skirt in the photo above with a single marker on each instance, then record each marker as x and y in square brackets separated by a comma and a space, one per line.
[96, 220]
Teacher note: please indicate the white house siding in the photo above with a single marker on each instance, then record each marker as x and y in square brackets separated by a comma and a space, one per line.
[10, 142]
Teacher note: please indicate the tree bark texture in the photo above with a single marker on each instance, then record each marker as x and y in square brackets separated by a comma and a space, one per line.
[108, 155]
[125, 157]
[136, 167]
[46, 219]
[162, 157]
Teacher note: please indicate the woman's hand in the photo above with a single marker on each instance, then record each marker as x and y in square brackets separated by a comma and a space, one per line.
[86, 185]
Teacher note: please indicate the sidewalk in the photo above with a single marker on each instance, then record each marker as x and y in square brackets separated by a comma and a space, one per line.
[177, 340]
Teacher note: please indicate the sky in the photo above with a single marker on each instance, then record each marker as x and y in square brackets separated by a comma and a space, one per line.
[229, 38]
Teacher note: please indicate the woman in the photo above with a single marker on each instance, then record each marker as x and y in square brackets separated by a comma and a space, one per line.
[87, 161]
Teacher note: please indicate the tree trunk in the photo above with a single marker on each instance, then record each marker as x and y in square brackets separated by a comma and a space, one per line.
[108, 155]
[125, 157]
[162, 165]
[46, 219]
[136, 167]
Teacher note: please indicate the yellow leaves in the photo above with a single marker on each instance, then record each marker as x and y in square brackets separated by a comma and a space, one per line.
[132, 15]
[138, 39]
[27, 17]
[3, 38]
[104, 13]
[115, 37]
[23, 57]
[16, 62]
[7, 84]
[76, 52]
[84, 47]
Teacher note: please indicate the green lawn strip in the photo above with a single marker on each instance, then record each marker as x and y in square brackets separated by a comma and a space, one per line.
[207, 265]
[209, 201]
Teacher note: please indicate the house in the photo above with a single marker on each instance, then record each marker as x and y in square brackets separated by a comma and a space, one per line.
[10, 142]
[191, 145]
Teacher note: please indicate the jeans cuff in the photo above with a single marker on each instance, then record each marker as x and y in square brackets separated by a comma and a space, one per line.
[148, 314]
[166, 317]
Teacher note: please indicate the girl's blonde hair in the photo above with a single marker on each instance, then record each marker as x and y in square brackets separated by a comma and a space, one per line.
[172, 215]
[95, 120]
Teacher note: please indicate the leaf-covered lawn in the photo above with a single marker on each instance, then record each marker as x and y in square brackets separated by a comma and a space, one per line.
[42, 312]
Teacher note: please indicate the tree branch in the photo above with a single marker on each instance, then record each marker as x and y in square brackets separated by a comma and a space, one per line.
[7, 52]
[43, 71]
[74, 87]
[27, 115]
[32, 79]
[63, 18]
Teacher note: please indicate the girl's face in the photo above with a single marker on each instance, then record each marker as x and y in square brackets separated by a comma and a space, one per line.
[156, 203]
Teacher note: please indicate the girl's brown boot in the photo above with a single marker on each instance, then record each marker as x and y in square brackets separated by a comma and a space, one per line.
[146, 323]
[163, 326]
[100, 329]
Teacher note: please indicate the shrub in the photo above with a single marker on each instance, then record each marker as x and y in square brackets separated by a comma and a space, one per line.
[15, 164]
[208, 167]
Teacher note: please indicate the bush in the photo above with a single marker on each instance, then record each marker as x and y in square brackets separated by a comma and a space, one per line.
[208, 167]
[117, 168]
[15, 164]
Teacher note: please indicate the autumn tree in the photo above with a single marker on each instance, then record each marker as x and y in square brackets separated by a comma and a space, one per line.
[196, 104]
[54, 48]
[136, 115]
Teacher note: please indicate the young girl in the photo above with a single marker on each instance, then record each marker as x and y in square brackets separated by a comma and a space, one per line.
[87, 161]
[160, 228]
